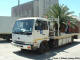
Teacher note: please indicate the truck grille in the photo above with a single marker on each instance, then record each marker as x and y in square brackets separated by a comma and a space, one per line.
[19, 42]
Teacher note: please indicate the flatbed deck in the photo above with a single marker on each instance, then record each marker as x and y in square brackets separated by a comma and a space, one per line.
[64, 36]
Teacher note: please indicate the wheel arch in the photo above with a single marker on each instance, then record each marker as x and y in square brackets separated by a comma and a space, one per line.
[44, 41]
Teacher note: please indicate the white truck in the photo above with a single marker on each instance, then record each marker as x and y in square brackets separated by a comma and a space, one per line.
[6, 25]
[37, 34]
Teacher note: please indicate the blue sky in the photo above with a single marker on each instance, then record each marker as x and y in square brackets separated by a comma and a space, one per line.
[5, 6]
[73, 5]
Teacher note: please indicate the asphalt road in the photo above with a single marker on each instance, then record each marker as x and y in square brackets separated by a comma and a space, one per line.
[68, 52]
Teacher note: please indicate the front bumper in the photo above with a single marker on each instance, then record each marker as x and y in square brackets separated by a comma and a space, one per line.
[26, 46]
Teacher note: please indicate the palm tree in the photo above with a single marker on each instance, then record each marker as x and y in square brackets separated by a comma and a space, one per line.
[63, 13]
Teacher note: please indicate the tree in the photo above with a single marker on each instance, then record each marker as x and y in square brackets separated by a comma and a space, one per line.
[63, 13]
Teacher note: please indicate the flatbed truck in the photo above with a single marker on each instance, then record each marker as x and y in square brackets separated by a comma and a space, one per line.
[37, 33]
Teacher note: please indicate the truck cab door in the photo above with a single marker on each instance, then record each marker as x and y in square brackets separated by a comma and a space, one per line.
[41, 31]
[38, 31]
[45, 30]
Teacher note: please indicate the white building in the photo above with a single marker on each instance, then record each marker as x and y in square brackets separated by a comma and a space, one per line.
[33, 8]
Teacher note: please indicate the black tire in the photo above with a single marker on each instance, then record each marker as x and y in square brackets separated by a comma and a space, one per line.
[44, 47]
[51, 45]
[8, 39]
[23, 50]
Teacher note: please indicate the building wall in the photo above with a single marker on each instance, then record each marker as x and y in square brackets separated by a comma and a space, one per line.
[44, 6]
[36, 8]
[33, 8]
[23, 10]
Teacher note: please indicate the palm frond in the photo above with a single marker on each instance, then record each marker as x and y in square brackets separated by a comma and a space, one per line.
[63, 13]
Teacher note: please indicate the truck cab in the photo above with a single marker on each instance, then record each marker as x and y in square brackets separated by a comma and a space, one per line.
[30, 33]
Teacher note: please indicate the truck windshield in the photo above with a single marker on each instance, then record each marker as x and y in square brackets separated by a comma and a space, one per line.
[23, 27]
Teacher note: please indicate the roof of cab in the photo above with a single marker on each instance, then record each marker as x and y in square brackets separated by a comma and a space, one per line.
[35, 18]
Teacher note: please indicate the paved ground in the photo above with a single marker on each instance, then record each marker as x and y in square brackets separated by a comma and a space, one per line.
[68, 52]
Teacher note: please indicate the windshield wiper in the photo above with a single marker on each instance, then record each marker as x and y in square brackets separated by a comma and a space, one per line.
[16, 32]
[28, 33]
[23, 33]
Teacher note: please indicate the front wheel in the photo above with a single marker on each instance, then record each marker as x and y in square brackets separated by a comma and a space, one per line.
[44, 47]
[23, 50]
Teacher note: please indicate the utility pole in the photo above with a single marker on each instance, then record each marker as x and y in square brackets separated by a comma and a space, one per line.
[79, 15]
[18, 8]
[58, 26]
[18, 2]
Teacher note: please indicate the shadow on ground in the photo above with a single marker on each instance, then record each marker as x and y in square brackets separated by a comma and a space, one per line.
[4, 41]
[47, 55]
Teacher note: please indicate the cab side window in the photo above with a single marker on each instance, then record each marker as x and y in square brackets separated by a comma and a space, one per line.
[45, 25]
[38, 25]
[41, 25]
